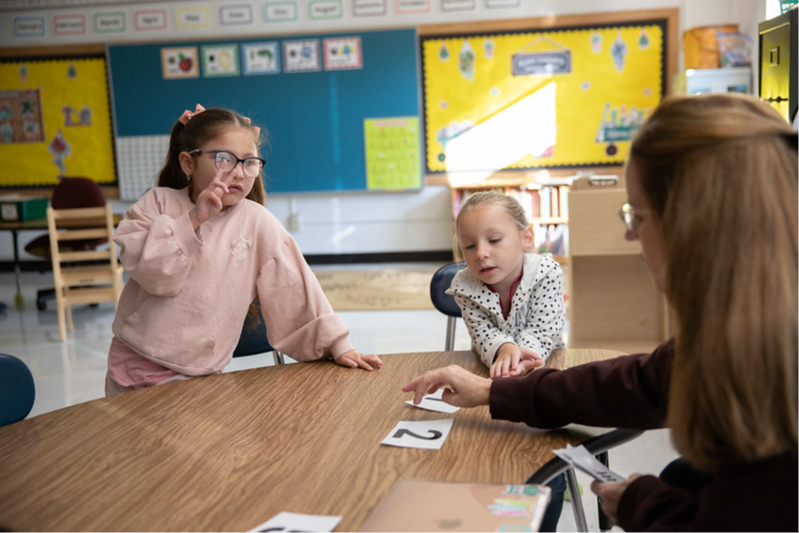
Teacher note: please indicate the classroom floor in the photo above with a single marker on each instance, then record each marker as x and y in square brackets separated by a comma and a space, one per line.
[74, 371]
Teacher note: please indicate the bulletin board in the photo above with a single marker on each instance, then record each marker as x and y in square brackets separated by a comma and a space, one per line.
[55, 120]
[315, 113]
[559, 97]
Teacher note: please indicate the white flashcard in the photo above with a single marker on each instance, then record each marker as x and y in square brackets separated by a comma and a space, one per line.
[299, 523]
[427, 434]
[582, 459]
[434, 402]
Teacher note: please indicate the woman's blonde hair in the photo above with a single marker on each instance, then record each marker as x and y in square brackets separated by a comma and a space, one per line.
[721, 172]
[510, 204]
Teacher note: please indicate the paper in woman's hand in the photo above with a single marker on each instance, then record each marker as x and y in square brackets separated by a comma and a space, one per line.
[581, 459]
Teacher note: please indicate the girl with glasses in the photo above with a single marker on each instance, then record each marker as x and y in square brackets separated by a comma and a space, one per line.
[712, 192]
[199, 248]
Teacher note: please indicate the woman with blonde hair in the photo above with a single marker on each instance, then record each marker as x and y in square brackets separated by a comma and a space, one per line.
[712, 197]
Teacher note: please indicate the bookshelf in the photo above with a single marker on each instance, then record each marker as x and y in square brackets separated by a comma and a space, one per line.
[614, 303]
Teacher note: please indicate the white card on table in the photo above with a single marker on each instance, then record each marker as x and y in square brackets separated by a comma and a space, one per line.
[299, 522]
[582, 459]
[427, 434]
[433, 402]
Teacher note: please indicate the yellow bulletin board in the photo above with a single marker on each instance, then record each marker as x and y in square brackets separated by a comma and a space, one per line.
[55, 120]
[560, 97]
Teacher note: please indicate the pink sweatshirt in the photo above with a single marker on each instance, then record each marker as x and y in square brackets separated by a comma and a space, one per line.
[189, 291]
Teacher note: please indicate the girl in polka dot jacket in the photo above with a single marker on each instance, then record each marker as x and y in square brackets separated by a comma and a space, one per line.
[511, 300]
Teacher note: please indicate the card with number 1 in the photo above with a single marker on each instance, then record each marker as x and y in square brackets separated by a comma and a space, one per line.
[433, 402]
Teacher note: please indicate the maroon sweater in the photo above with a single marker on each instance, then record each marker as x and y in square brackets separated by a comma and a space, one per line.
[632, 392]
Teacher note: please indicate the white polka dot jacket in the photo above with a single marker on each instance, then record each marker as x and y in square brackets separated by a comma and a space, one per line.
[537, 313]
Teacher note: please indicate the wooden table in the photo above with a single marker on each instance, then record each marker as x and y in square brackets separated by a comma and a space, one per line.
[228, 452]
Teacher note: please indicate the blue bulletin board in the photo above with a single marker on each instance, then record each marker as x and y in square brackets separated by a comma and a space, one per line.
[314, 116]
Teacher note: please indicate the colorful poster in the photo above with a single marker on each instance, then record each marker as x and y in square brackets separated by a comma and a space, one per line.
[527, 100]
[393, 156]
[21, 117]
[343, 53]
[220, 60]
[261, 58]
[301, 56]
[179, 62]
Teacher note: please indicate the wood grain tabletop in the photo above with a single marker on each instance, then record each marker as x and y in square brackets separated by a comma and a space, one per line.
[228, 452]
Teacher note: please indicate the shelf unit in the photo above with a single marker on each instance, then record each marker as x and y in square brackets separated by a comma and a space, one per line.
[614, 302]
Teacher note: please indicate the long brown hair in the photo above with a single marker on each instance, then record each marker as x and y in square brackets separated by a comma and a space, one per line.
[721, 173]
[198, 130]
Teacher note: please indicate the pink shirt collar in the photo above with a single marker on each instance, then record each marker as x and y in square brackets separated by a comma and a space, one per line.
[510, 295]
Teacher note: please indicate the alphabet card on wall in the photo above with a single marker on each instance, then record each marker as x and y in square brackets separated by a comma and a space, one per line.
[426, 434]
[343, 53]
[261, 58]
[179, 63]
[301, 56]
[220, 60]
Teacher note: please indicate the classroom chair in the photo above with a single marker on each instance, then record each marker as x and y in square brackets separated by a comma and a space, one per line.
[253, 340]
[443, 301]
[83, 276]
[17, 390]
[598, 446]
[70, 193]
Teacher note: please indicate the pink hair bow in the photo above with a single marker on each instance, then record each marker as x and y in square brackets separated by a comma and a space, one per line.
[256, 128]
[184, 118]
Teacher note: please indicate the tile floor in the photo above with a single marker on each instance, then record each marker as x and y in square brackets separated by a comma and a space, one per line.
[72, 372]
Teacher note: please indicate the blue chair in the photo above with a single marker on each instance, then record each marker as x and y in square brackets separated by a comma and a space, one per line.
[445, 303]
[17, 390]
[253, 341]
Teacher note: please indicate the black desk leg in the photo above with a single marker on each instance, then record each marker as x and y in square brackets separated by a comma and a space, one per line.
[604, 520]
[19, 299]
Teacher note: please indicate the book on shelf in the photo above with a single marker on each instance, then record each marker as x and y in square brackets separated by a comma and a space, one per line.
[553, 239]
[564, 202]
[555, 207]
[546, 203]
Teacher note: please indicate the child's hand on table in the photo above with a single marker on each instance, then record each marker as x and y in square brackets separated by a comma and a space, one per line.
[355, 359]
[512, 360]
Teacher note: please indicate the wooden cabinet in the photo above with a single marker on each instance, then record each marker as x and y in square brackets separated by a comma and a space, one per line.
[614, 302]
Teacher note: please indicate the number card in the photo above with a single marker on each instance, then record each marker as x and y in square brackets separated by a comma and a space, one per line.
[582, 459]
[427, 434]
[299, 522]
[434, 402]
